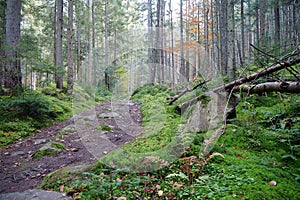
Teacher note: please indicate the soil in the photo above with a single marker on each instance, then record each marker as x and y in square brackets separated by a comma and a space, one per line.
[19, 171]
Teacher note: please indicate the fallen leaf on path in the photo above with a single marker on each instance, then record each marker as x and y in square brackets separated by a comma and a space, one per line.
[61, 188]
[62, 166]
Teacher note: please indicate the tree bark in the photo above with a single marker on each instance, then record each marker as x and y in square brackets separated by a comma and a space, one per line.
[2, 43]
[262, 22]
[150, 52]
[182, 67]
[70, 48]
[172, 44]
[291, 87]
[277, 21]
[90, 56]
[224, 37]
[106, 75]
[242, 33]
[205, 16]
[78, 36]
[58, 45]
[13, 76]
[231, 41]
[216, 33]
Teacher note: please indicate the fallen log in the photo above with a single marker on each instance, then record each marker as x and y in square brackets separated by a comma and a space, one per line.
[237, 85]
[290, 87]
[277, 67]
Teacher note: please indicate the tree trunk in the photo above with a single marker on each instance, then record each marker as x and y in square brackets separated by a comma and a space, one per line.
[205, 16]
[2, 43]
[257, 21]
[242, 33]
[249, 29]
[262, 22]
[90, 56]
[187, 66]
[277, 22]
[70, 48]
[107, 81]
[78, 36]
[13, 76]
[158, 48]
[182, 67]
[231, 41]
[216, 33]
[291, 87]
[224, 37]
[58, 45]
[296, 22]
[150, 53]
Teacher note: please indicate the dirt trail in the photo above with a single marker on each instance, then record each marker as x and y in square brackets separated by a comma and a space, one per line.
[19, 171]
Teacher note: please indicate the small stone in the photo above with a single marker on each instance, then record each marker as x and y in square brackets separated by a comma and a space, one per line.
[74, 149]
[18, 153]
[105, 152]
[108, 115]
[40, 141]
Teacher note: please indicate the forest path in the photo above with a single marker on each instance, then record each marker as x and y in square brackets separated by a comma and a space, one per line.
[86, 138]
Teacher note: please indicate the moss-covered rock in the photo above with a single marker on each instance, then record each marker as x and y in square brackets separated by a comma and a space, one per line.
[62, 176]
[49, 149]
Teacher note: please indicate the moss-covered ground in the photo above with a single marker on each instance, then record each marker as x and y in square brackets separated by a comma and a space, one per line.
[258, 157]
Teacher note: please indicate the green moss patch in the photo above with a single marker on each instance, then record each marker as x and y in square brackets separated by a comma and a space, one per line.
[49, 149]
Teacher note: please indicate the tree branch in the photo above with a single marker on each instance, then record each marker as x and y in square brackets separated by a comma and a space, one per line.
[186, 91]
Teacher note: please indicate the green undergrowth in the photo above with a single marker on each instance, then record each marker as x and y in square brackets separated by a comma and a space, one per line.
[27, 112]
[259, 146]
[160, 120]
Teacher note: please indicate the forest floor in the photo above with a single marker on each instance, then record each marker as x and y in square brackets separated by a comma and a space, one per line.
[20, 170]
